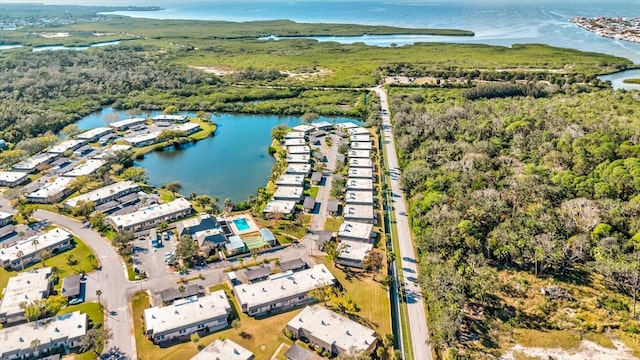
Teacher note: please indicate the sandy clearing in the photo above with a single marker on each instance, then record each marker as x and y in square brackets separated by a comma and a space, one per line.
[587, 350]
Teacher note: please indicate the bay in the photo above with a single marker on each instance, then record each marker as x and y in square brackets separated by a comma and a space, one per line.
[495, 22]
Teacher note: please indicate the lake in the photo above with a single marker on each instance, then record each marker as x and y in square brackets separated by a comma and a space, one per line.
[232, 164]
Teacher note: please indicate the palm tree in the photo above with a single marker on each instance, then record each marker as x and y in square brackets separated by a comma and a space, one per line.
[91, 259]
[182, 289]
[255, 258]
[35, 245]
[20, 254]
[98, 293]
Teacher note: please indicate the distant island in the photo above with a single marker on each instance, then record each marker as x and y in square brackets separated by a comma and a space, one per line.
[627, 29]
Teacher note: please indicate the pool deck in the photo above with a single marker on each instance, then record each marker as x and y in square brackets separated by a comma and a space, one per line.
[253, 226]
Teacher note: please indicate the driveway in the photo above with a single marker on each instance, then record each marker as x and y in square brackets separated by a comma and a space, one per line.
[415, 304]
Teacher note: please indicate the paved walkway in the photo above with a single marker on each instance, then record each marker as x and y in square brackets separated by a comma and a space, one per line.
[415, 304]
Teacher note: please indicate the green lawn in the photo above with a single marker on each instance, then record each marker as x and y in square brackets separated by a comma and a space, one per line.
[333, 224]
[369, 295]
[80, 253]
[312, 191]
[95, 314]
[262, 336]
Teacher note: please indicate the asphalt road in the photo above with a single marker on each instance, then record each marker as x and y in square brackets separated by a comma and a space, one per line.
[324, 191]
[111, 279]
[415, 304]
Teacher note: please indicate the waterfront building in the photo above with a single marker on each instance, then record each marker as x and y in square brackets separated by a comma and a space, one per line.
[94, 134]
[128, 124]
[104, 194]
[151, 216]
[284, 207]
[85, 169]
[70, 144]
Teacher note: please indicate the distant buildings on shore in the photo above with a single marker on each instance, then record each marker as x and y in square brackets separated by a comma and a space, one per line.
[627, 29]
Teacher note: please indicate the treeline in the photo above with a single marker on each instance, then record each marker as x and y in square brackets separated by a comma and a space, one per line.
[499, 90]
[544, 185]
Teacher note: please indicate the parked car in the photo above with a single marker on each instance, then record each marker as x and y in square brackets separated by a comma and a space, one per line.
[76, 301]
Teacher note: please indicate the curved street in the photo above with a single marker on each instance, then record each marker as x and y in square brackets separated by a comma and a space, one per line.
[415, 304]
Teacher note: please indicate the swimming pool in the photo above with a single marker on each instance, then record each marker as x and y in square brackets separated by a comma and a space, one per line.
[241, 224]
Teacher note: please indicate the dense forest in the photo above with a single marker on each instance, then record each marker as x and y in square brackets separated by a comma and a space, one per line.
[547, 186]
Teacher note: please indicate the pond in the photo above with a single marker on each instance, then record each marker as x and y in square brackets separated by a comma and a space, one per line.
[232, 164]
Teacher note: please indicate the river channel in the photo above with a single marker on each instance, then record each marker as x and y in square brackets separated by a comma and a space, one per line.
[232, 164]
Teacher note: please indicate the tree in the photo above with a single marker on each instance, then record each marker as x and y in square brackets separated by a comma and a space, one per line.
[44, 255]
[279, 132]
[174, 187]
[195, 338]
[20, 255]
[187, 248]
[254, 256]
[92, 260]
[372, 261]
[53, 304]
[33, 311]
[170, 135]
[309, 117]
[323, 294]
[97, 221]
[71, 260]
[70, 130]
[182, 289]
[338, 186]
[331, 249]
[98, 294]
[94, 338]
[26, 210]
[123, 239]
[235, 324]
[84, 209]
[170, 110]
[136, 174]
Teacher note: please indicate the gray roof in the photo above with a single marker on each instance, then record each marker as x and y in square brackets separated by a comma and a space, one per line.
[257, 272]
[6, 230]
[309, 202]
[324, 236]
[267, 235]
[316, 177]
[332, 205]
[297, 352]
[171, 294]
[71, 286]
[295, 264]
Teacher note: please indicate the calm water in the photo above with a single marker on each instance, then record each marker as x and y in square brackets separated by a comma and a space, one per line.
[496, 22]
[233, 164]
[74, 48]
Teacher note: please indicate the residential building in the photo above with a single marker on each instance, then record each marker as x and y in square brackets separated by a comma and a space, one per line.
[305, 129]
[361, 213]
[351, 230]
[127, 123]
[72, 287]
[70, 144]
[52, 334]
[359, 184]
[151, 216]
[257, 273]
[26, 252]
[31, 164]
[316, 178]
[332, 332]
[358, 131]
[294, 135]
[347, 125]
[224, 350]
[298, 169]
[294, 193]
[187, 128]
[360, 173]
[24, 287]
[282, 291]
[322, 125]
[51, 192]
[298, 158]
[105, 194]
[199, 223]
[167, 119]
[85, 169]
[283, 207]
[141, 140]
[352, 253]
[360, 138]
[5, 218]
[360, 163]
[211, 238]
[353, 197]
[187, 316]
[15, 178]
[298, 149]
[94, 134]
[267, 236]
[293, 265]
[290, 180]
[235, 245]
[366, 145]
[359, 154]
[333, 205]
[113, 149]
[295, 142]
[172, 294]
[308, 204]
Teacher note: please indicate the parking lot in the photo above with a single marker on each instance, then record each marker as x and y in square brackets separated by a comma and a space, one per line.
[151, 260]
